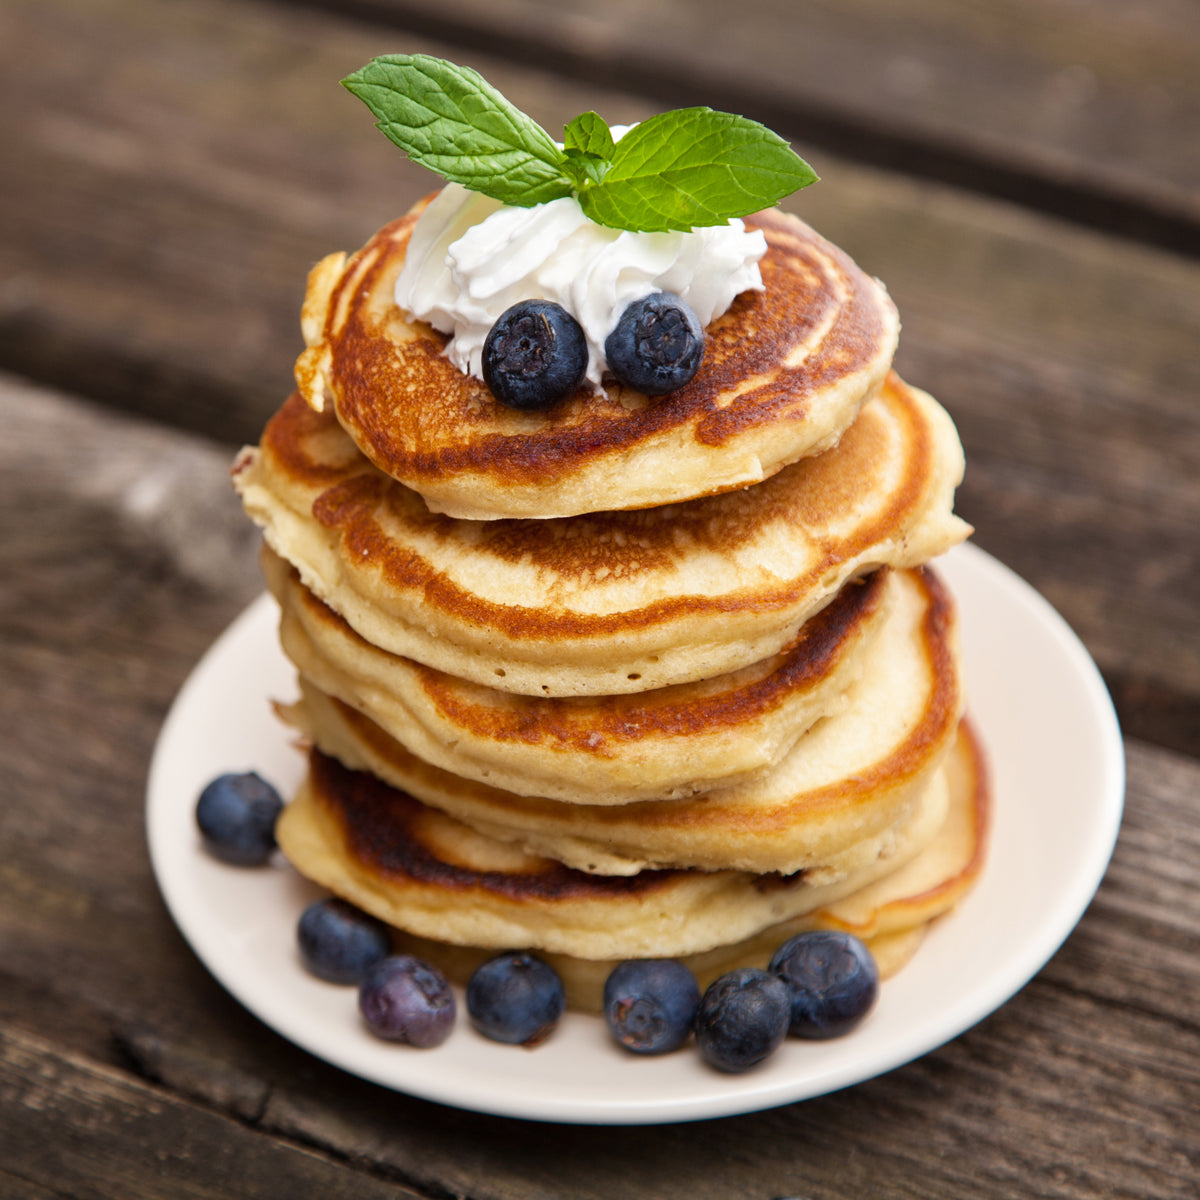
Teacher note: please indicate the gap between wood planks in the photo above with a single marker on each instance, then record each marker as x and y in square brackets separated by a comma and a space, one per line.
[1139, 216]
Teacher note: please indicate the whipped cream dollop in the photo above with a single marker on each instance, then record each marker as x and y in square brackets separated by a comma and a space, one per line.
[471, 258]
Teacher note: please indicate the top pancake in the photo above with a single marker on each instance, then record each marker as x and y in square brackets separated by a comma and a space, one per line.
[607, 603]
[785, 371]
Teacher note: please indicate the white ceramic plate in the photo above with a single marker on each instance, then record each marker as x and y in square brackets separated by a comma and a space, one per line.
[1058, 773]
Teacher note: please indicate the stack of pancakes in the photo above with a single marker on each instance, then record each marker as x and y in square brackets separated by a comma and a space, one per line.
[631, 677]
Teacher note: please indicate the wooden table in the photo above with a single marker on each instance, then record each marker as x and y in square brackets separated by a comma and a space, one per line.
[1025, 176]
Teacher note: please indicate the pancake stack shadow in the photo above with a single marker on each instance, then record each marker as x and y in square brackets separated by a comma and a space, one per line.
[632, 678]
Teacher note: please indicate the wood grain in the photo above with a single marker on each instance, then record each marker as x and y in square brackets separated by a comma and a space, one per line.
[154, 245]
[169, 174]
[126, 556]
[75, 1128]
[154, 242]
[1086, 113]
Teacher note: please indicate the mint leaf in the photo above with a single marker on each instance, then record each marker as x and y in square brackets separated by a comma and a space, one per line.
[693, 167]
[589, 133]
[583, 169]
[676, 171]
[588, 146]
[450, 119]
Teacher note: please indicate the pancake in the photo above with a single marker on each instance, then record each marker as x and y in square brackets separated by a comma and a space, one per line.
[608, 603]
[422, 871]
[891, 915]
[835, 796]
[669, 742]
[456, 897]
[941, 875]
[785, 371]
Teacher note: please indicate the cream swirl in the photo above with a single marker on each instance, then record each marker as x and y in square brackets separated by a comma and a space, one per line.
[470, 258]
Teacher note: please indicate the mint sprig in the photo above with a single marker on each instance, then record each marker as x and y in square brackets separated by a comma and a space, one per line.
[450, 119]
[676, 171]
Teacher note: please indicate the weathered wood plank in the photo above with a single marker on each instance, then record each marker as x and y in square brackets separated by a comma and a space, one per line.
[14, 1188]
[124, 553]
[72, 1127]
[1086, 111]
[155, 242]
[124, 556]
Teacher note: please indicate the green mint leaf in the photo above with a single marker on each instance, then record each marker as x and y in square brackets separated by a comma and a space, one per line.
[450, 119]
[677, 171]
[588, 146]
[693, 167]
[589, 133]
[583, 169]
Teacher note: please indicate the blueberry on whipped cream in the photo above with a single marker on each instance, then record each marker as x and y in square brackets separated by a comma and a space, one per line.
[472, 258]
[593, 224]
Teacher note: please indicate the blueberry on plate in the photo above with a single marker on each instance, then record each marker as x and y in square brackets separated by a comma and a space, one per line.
[657, 345]
[649, 1004]
[515, 998]
[236, 815]
[404, 999]
[832, 979]
[339, 942]
[534, 355]
[742, 1019]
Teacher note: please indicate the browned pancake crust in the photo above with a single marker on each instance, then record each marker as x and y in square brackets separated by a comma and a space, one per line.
[419, 419]
[904, 919]
[602, 726]
[681, 832]
[351, 494]
[382, 828]
[969, 768]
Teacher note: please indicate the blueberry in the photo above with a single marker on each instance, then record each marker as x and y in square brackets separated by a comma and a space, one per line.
[236, 815]
[534, 355]
[833, 981]
[657, 345]
[406, 1000]
[649, 1004]
[339, 942]
[515, 998]
[743, 1018]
